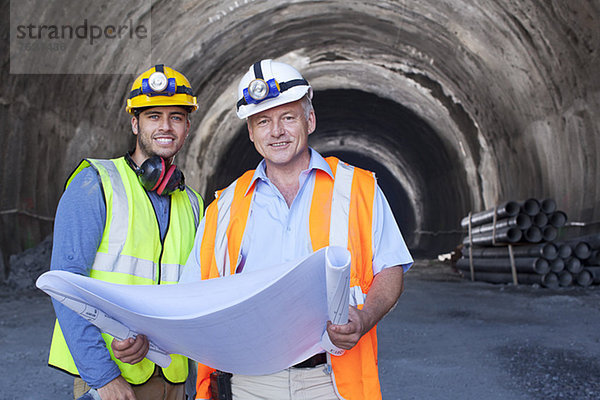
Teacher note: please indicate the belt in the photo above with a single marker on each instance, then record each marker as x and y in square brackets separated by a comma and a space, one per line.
[312, 362]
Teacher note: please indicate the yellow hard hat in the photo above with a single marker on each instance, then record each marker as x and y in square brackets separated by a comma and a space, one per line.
[161, 86]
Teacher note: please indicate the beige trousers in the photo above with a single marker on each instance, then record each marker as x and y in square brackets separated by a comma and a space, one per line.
[289, 384]
[155, 389]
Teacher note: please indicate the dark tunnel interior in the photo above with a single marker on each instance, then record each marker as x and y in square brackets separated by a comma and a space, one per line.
[383, 136]
[392, 189]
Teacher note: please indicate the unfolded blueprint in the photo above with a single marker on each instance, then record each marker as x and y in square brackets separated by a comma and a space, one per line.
[252, 323]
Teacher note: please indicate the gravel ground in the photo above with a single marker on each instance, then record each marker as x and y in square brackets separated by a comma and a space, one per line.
[448, 338]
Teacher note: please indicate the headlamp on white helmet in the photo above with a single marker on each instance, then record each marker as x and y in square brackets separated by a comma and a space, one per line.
[268, 84]
[259, 90]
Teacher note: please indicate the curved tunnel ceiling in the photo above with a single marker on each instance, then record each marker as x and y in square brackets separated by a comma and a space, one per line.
[456, 105]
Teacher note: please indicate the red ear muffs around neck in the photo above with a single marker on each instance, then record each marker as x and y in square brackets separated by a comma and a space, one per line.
[161, 177]
[155, 176]
[165, 180]
[151, 173]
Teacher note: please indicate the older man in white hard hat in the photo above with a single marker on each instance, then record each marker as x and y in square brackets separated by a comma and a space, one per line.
[294, 203]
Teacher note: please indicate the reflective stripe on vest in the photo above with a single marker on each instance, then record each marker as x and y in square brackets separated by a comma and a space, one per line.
[341, 213]
[194, 199]
[133, 253]
[135, 266]
[224, 204]
[340, 205]
[224, 228]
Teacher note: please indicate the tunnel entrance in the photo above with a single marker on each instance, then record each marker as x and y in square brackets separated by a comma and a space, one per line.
[421, 175]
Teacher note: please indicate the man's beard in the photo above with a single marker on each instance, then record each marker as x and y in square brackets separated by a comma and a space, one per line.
[144, 143]
[145, 147]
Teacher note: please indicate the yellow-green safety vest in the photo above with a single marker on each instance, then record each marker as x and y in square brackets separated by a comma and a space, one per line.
[132, 253]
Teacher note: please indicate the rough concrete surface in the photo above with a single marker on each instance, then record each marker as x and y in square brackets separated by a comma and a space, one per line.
[456, 104]
[448, 338]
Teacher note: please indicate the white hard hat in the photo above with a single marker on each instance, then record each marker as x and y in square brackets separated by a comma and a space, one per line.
[269, 84]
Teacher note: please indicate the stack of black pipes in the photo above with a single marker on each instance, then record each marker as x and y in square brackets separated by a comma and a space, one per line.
[530, 226]
[583, 264]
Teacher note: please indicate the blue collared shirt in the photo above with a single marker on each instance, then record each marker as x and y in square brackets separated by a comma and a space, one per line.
[276, 233]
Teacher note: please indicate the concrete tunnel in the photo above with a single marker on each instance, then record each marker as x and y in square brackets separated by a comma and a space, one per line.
[456, 105]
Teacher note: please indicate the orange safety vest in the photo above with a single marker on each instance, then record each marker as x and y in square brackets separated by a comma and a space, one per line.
[348, 200]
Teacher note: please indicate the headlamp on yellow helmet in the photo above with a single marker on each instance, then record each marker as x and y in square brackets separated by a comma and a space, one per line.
[161, 86]
[157, 83]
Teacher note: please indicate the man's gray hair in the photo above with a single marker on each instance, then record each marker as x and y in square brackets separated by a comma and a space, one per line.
[307, 106]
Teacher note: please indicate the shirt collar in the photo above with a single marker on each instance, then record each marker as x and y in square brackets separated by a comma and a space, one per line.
[316, 162]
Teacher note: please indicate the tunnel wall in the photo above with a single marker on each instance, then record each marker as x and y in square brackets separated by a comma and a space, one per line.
[500, 99]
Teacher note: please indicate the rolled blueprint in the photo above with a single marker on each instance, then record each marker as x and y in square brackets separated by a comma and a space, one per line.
[337, 274]
[253, 323]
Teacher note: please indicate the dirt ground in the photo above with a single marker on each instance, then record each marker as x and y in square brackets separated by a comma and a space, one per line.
[448, 338]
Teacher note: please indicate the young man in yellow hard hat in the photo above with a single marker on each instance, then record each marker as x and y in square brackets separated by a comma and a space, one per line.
[128, 220]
